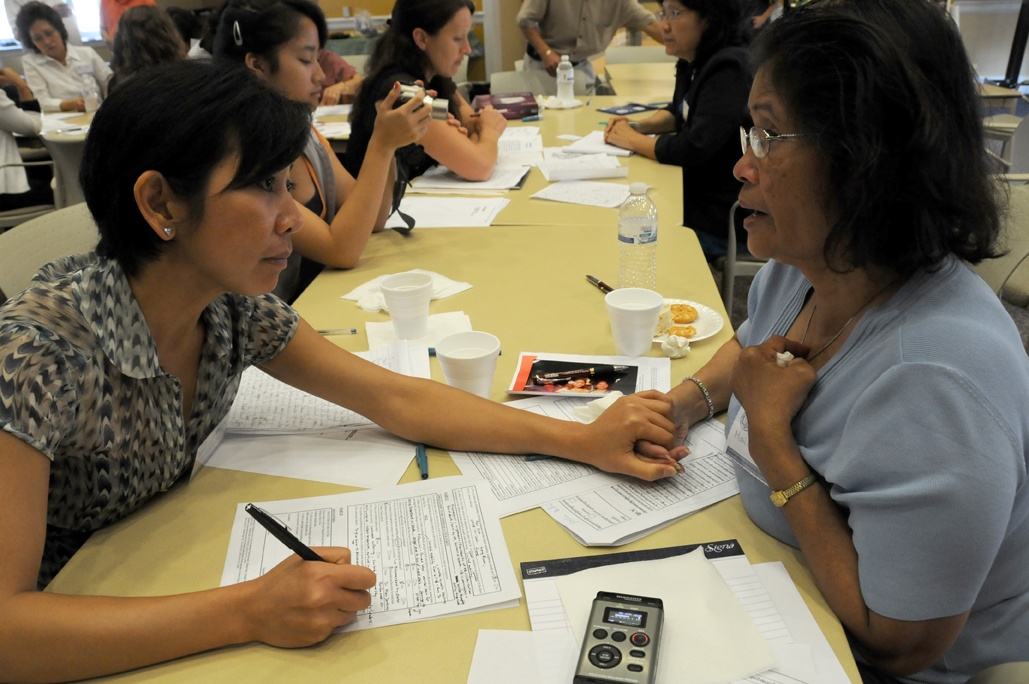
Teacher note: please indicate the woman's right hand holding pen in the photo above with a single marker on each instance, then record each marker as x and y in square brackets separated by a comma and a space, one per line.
[299, 603]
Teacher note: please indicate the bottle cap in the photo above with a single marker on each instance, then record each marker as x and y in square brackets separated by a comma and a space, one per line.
[638, 188]
[564, 58]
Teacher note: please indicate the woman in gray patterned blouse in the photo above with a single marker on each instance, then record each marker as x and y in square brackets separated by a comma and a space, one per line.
[117, 364]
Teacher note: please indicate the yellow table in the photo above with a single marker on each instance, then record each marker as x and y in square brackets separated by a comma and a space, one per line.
[642, 81]
[529, 289]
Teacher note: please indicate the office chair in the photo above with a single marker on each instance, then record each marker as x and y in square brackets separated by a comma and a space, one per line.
[14, 217]
[66, 151]
[733, 264]
[1015, 240]
[26, 247]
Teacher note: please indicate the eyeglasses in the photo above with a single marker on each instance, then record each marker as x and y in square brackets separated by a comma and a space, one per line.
[669, 14]
[760, 140]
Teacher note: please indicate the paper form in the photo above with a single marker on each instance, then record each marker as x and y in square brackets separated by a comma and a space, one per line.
[436, 547]
[518, 485]
[593, 143]
[621, 512]
[560, 165]
[442, 178]
[558, 595]
[266, 405]
[590, 193]
[448, 212]
[795, 666]
[358, 458]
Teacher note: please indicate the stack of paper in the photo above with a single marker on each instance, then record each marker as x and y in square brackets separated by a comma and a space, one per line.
[442, 179]
[594, 144]
[436, 547]
[559, 164]
[725, 620]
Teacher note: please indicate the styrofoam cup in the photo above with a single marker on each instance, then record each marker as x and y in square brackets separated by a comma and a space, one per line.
[407, 297]
[633, 312]
[469, 360]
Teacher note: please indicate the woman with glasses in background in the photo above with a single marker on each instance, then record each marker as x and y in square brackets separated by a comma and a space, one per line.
[53, 68]
[698, 130]
[876, 394]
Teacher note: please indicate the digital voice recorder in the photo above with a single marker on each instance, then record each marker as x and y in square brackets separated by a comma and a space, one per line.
[621, 640]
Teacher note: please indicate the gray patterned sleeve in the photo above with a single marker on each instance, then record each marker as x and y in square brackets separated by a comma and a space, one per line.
[272, 324]
[36, 387]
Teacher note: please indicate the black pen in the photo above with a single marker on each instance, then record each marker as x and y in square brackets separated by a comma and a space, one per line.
[282, 533]
[601, 285]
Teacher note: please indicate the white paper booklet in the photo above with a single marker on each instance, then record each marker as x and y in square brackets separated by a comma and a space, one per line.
[441, 178]
[623, 511]
[593, 143]
[266, 405]
[585, 192]
[436, 547]
[559, 165]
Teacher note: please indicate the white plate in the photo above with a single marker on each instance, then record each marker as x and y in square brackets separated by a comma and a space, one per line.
[551, 102]
[708, 322]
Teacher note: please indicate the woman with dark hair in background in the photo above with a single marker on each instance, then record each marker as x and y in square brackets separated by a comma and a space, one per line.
[279, 41]
[54, 69]
[877, 392]
[146, 36]
[426, 41]
[699, 129]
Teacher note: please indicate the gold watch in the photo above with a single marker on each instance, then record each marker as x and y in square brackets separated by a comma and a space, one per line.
[781, 496]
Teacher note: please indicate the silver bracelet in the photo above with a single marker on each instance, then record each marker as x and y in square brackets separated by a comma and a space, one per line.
[703, 390]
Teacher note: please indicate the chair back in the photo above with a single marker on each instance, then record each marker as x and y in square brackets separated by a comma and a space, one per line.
[535, 81]
[1015, 240]
[625, 54]
[66, 151]
[26, 247]
[733, 264]
[1019, 148]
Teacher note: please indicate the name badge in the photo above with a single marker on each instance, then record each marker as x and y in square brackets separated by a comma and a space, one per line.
[737, 445]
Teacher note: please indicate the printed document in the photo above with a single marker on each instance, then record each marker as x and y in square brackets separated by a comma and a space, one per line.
[448, 212]
[589, 193]
[706, 595]
[266, 405]
[436, 547]
[628, 509]
[441, 178]
[560, 165]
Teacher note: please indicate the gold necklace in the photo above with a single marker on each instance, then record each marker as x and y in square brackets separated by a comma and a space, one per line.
[814, 309]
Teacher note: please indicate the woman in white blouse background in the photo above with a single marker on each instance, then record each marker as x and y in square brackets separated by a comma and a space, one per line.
[53, 68]
[17, 189]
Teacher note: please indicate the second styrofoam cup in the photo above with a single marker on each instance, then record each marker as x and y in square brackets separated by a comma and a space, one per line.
[633, 312]
[469, 360]
[407, 297]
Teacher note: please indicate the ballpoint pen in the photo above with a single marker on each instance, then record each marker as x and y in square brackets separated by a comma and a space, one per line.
[339, 331]
[422, 460]
[282, 533]
[601, 285]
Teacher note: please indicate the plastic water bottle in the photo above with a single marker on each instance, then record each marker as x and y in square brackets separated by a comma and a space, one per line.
[90, 96]
[565, 81]
[637, 240]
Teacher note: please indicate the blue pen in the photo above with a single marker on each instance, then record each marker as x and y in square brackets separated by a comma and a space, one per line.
[537, 457]
[533, 117]
[422, 460]
[432, 352]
